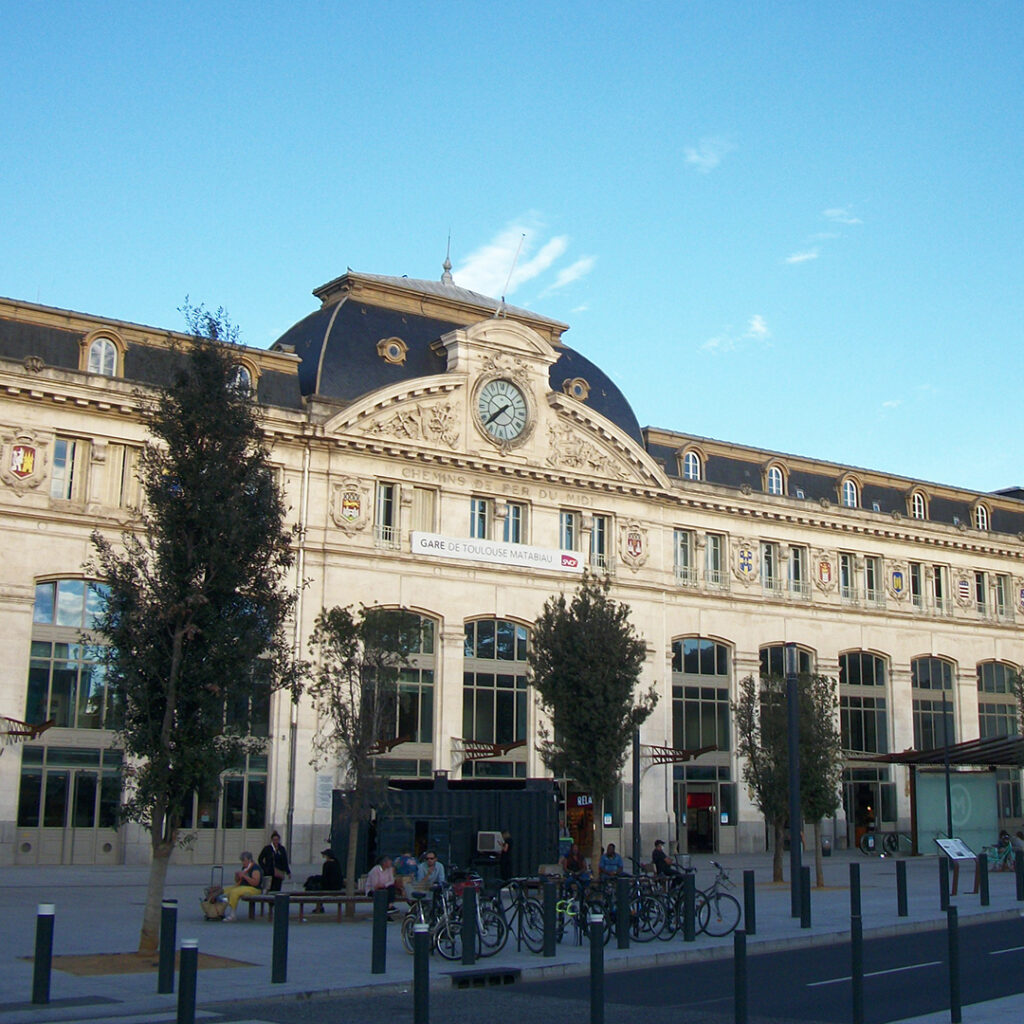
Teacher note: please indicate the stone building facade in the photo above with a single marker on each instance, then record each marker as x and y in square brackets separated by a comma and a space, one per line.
[448, 454]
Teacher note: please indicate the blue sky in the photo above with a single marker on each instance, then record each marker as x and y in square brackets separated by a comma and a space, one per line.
[793, 225]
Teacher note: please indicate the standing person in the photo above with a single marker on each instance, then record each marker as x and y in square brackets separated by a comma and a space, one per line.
[274, 862]
[505, 857]
[247, 883]
[611, 863]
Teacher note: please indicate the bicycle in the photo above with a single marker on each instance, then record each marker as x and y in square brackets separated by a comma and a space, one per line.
[718, 912]
[524, 917]
[1000, 858]
[892, 842]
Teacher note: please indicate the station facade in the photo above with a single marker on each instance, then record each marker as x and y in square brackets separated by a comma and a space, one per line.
[445, 453]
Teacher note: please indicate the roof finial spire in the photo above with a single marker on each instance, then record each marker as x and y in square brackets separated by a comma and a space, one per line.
[446, 277]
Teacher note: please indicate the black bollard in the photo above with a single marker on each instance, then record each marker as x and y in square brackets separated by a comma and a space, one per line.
[187, 981]
[279, 963]
[983, 879]
[739, 977]
[421, 973]
[549, 918]
[43, 959]
[168, 939]
[953, 933]
[623, 908]
[749, 904]
[689, 909]
[854, 890]
[596, 925]
[943, 883]
[379, 941]
[857, 967]
[468, 926]
[901, 888]
[805, 896]
[1018, 864]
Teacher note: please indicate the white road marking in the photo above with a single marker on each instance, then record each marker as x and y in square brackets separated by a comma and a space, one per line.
[875, 974]
[1010, 949]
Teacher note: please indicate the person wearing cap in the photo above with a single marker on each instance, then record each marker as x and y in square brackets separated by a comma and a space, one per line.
[663, 863]
[331, 879]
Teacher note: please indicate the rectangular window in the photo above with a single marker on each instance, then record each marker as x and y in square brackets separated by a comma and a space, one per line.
[122, 483]
[771, 582]
[714, 561]
[67, 481]
[932, 728]
[424, 503]
[683, 558]
[940, 590]
[847, 580]
[479, 518]
[1001, 596]
[863, 724]
[568, 530]
[385, 525]
[916, 585]
[513, 529]
[599, 538]
[700, 717]
[799, 584]
[981, 594]
[874, 593]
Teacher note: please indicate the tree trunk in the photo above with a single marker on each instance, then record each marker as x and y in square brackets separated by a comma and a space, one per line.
[350, 865]
[597, 847]
[149, 938]
[819, 870]
[777, 854]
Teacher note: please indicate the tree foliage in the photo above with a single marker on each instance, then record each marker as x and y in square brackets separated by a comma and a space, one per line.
[196, 599]
[355, 690]
[761, 716]
[585, 661]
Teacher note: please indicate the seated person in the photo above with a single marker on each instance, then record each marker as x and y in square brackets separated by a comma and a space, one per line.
[405, 872]
[430, 872]
[329, 880]
[382, 876]
[610, 865]
[248, 882]
[663, 863]
[574, 863]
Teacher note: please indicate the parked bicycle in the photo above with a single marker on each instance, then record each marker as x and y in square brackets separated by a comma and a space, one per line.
[718, 912]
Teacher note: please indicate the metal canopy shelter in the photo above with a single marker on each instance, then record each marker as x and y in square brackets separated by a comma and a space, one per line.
[992, 753]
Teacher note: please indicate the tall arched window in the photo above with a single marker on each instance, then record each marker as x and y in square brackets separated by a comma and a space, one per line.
[700, 693]
[862, 702]
[997, 700]
[934, 718]
[773, 660]
[849, 493]
[691, 466]
[103, 357]
[775, 480]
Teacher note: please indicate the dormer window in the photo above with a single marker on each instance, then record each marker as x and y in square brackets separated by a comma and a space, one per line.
[103, 357]
[240, 380]
[980, 517]
[774, 480]
[918, 508]
[849, 494]
[691, 466]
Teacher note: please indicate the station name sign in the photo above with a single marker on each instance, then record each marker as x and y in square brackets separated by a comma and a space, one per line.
[465, 549]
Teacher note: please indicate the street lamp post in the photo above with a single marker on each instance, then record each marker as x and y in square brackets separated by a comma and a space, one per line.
[793, 721]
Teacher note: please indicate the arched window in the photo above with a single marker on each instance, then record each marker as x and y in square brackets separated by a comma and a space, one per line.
[997, 701]
[918, 509]
[775, 480]
[773, 660]
[980, 517]
[850, 494]
[691, 466]
[862, 702]
[934, 719]
[700, 693]
[240, 379]
[103, 357]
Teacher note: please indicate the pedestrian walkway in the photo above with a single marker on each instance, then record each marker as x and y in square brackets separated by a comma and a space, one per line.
[99, 910]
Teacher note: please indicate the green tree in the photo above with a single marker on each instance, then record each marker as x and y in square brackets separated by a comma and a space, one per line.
[585, 662]
[196, 599]
[761, 716]
[355, 690]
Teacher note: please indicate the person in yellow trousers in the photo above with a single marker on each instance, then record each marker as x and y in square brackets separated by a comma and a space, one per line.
[248, 881]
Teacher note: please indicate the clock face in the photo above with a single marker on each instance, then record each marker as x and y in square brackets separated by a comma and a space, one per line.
[502, 409]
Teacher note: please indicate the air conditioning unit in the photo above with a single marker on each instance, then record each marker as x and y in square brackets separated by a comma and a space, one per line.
[489, 842]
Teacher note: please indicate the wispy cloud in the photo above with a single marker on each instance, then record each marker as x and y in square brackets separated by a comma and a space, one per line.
[757, 328]
[708, 153]
[892, 403]
[841, 215]
[802, 257]
[487, 268]
[728, 340]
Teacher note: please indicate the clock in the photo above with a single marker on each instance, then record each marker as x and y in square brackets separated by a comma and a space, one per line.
[502, 410]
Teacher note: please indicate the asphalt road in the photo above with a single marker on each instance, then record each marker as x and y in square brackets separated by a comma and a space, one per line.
[904, 977]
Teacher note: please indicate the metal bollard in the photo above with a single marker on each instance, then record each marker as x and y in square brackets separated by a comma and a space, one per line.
[943, 883]
[739, 976]
[953, 933]
[1018, 864]
[187, 981]
[421, 973]
[901, 888]
[168, 939]
[468, 926]
[749, 904]
[983, 879]
[857, 967]
[854, 890]
[805, 896]
[596, 924]
[279, 962]
[623, 909]
[689, 909]
[43, 959]
[549, 918]
[379, 941]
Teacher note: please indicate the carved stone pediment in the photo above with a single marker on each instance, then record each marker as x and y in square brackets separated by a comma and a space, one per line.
[429, 421]
[570, 448]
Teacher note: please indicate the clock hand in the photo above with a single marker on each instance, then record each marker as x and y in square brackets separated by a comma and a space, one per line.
[494, 415]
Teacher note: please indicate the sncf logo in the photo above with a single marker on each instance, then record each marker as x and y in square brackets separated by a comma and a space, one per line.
[570, 562]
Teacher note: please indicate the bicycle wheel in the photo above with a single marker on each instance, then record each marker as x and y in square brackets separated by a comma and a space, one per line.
[891, 842]
[408, 923]
[719, 914]
[647, 916]
[868, 843]
[533, 926]
[493, 931]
